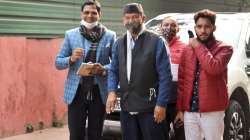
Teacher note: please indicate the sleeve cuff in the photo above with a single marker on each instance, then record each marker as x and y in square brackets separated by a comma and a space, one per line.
[162, 104]
[112, 90]
[67, 62]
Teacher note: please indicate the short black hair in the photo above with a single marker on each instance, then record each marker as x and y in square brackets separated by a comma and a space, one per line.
[92, 2]
[205, 13]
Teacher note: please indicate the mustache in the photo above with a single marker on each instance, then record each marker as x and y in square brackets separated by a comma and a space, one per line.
[209, 37]
[134, 27]
[204, 34]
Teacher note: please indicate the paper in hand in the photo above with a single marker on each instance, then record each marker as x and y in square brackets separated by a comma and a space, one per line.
[85, 69]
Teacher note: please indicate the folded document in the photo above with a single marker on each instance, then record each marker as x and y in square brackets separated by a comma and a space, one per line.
[85, 69]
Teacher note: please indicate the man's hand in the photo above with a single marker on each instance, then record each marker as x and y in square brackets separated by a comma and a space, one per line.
[193, 42]
[159, 114]
[77, 54]
[179, 119]
[111, 102]
[97, 69]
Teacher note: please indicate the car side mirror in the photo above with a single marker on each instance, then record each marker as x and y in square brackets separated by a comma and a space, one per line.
[247, 43]
[248, 53]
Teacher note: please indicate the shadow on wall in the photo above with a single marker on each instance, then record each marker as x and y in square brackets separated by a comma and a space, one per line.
[31, 88]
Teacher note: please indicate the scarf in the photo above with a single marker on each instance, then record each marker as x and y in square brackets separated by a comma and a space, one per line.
[95, 34]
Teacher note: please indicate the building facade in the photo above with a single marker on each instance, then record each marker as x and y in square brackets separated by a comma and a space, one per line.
[50, 18]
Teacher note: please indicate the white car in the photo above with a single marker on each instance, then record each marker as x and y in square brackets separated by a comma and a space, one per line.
[234, 29]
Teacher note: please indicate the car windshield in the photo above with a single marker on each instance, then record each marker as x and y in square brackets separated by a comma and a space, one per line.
[227, 30]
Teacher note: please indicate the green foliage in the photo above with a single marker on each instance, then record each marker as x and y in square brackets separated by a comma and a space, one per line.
[56, 122]
[29, 128]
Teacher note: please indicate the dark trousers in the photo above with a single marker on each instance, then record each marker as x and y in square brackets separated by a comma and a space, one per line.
[178, 133]
[141, 127]
[81, 109]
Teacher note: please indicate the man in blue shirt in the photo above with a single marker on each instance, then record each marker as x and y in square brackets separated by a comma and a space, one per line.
[86, 94]
[140, 64]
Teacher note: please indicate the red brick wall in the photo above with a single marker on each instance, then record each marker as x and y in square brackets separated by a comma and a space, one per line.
[31, 89]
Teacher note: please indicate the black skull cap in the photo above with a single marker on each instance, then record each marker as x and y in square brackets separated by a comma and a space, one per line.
[133, 8]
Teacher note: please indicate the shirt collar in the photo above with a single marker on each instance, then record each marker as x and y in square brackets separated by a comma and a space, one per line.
[173, 40]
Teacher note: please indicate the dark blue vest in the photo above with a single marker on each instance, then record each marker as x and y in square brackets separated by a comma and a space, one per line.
[140, 94]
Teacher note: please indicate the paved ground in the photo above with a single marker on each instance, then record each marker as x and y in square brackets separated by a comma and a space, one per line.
[110, 133]
[46, 134]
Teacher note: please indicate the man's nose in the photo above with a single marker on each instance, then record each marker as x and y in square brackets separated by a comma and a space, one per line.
[167, 27]
[130, 20]
[89, 14]
[203, 30]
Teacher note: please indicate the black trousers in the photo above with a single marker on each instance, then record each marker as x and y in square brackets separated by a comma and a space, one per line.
[141, 127]
[81, 109]
[179, 133]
